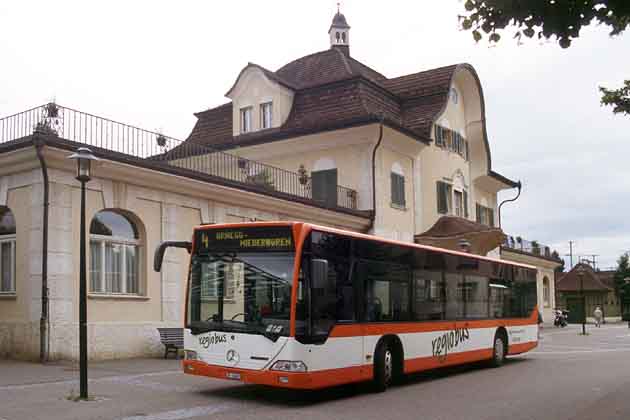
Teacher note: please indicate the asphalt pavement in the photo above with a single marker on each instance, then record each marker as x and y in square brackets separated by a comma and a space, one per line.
[568, 377]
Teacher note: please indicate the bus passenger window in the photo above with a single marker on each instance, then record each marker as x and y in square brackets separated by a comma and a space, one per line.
[386, 291]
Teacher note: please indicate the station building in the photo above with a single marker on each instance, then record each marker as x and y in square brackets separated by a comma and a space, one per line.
[324, 139]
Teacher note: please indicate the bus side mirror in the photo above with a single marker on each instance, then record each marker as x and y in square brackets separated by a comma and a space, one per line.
[161, 249]
[319, 274]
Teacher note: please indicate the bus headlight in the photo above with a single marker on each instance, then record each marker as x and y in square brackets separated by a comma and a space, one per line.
[190, 355]
[289, 366]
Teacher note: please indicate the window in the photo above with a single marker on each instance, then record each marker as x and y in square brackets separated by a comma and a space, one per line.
[459, 204]
[266, 114]
[485, 215]
[546, 292]
[429, 295]
[444, 192]
[7, 251]
[398, 189]
[211, 278]
[386, 291]
[451, 140]
[439, 135]
[114, 254]
[246, 120]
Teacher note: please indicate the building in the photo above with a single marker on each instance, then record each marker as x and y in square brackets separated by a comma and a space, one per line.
[597, 287]
[324, 139]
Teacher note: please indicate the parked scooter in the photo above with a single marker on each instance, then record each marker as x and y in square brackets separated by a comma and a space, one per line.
[561, 318]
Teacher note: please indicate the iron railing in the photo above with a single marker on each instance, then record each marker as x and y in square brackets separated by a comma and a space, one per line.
[103, 133]
[530, 247]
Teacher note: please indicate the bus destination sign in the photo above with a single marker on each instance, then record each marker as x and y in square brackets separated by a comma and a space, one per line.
[260, 238]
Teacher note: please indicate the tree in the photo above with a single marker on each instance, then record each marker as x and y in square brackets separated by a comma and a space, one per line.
[623, 271]
[561, 19]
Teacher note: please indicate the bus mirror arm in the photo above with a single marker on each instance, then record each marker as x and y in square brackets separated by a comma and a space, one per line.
[161, 249]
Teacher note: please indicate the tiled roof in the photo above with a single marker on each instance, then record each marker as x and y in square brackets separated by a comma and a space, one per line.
[570, 282]
[333, 90]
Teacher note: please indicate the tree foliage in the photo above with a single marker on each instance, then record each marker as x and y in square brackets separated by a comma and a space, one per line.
[622, 289]
[561, 20]
[619, 99]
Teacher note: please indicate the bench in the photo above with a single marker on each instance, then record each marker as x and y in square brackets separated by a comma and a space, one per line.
[173, 340]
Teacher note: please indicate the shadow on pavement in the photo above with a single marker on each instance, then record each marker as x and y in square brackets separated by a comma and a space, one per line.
[299, 398]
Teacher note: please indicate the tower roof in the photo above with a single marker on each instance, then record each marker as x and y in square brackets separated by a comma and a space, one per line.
[339, 21]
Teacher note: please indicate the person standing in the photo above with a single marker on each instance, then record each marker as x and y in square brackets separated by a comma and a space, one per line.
[597, 313]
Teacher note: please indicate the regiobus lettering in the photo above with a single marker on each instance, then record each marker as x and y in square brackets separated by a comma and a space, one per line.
[302, 306]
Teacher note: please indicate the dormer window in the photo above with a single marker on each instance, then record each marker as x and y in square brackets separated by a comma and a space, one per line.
[246, 120]
[266, 114]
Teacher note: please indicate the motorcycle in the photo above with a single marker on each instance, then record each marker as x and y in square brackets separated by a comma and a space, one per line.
[561, 318]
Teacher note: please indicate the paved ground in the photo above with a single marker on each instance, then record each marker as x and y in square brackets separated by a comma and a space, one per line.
[569, 377]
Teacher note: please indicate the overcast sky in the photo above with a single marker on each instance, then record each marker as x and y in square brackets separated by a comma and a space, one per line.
[154, 63]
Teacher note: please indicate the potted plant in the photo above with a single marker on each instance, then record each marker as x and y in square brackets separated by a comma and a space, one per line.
[161, 140]
[242, 163]
[262, 179]
[535, 248]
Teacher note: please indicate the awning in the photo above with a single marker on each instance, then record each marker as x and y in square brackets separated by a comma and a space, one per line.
[449, 231]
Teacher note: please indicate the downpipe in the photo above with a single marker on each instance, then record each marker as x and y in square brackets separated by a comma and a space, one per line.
[381, 118]
[519, 186]
[44, 321]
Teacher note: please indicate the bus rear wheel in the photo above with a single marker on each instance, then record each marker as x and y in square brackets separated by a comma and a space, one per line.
[499, 350]
[384, 365]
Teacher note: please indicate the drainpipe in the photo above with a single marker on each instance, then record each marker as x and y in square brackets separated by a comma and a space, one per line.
[519, 186]
[381, 118]
[44, 321]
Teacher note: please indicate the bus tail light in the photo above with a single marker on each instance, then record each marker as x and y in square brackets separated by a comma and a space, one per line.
[289, 366]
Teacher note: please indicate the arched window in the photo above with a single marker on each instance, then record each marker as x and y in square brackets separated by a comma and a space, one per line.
[114, 254]
[7, 251]
[546, 291]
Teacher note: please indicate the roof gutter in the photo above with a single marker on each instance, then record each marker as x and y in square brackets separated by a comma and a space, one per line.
[517, 185]
[381, 118]
[44, 321]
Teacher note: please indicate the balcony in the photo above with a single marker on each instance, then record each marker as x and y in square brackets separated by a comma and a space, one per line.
[111, 139]
[530, 247]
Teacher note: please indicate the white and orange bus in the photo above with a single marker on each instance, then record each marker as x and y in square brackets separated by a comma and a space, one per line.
[302, 306]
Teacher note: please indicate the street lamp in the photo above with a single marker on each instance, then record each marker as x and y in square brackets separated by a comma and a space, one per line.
[580, 273]
[84, 158]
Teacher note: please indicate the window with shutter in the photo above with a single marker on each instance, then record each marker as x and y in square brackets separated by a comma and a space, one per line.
[490, 217]
[324, 185]
[478, 211]
[439, 135]
[443, 197]
[398, 189]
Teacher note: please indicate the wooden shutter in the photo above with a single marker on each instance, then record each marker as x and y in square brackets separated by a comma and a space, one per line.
[478, 210]
[465, 204]
[325, 186]
[442, 200]
[398, 189]
[490, 217]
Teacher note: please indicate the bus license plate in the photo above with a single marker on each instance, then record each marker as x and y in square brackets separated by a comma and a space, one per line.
[233, 375]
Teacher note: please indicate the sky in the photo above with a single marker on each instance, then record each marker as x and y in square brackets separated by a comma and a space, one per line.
[154, 63]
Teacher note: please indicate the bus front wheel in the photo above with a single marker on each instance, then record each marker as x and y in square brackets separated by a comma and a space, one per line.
[384, 365]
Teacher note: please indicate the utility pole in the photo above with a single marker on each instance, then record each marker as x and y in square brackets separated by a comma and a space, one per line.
[594, 261]
[570, 255]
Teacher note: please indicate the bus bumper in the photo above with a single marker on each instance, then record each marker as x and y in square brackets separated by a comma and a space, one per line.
[294, 380]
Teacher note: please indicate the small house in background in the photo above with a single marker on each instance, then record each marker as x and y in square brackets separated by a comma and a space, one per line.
[598, 290]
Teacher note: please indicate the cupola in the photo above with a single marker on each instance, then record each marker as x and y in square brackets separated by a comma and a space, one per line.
[339, 32]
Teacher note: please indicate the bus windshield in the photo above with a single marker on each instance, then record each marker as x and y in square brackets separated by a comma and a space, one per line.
[241, 290]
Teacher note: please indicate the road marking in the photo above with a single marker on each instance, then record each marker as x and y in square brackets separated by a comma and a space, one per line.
[578, 351]
[120, 378]
[184, 413]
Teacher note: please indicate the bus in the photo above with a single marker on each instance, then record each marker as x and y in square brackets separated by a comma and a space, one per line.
[296, 305]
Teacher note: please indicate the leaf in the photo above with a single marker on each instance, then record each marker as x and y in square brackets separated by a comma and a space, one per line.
[495, 37]
[477, 35]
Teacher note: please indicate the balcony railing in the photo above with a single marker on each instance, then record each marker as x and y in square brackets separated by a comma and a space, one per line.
[530, 247]
[102, 133]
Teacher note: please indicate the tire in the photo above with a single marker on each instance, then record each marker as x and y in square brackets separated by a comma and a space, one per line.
[384, 365]
[499, 350]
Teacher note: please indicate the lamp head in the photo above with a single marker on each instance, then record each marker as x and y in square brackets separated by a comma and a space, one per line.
[84, 158]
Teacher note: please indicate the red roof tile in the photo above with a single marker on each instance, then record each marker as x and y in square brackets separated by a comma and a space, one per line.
[570, 282]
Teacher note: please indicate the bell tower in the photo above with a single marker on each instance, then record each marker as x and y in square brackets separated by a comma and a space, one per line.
[339, 33]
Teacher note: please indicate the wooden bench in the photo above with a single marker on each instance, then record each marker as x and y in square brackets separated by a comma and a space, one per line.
[173, 340]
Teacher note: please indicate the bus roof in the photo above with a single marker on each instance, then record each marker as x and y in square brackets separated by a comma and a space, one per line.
[311, 226]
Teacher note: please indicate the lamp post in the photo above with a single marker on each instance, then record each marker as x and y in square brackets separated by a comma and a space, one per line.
[580, 273]
[625, 303]
[84, 158]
